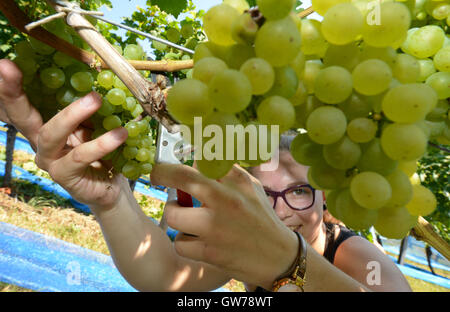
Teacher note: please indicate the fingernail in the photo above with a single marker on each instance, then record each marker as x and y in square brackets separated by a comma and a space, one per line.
[90, 99]
[120, 133]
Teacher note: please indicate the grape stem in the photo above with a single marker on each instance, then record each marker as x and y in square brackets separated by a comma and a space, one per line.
[19, 20]
[425, 232]
[439, 147]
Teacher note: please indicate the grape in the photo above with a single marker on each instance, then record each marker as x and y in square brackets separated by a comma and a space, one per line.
[286, 82]
[442, 59]
[322, 6]
[426, 69]
[300, 96]
[137, 111]
[392, 26]
[187, 99]
[65, 96]
[129, 152]
[129, 104]
[408, 167]
[62, 60]
[423, 201]
[206, 68]
[371, 77]
[173, 35]
[237, 54]
[402, 189]
[119, 84]
[439, 112]
[275, 9]
[116, 96]
[240, 5]
[218, 22]
[343, 154]
[326, 125]
[244, 29]
[440, 82]
[305, 151]
[403, 141]
[133, 52]
[258, 144]
[159, 46]
[53, 77]
[106, 109]
[106, 79]
[347, 56]
[385, 54]
[276, 110]
[362, 130]
[40, 47]
[353, 214]
[260, 74]
[187, 31]
[131, 170]
[143, 155]
[409, 103]
[214, 169]
[202, 51]
[406, 69]
[312, 69]
[230, 91]
[23, 49]
[112, 122]
[355, 106]
[146, 168]
[394, 223]
[82, 81]
[342, 24]
[313, 42]
[374, 159]
[327, 177]
[370, 190]
[278, 41]
[425, 41]
[302, 112]
[132, 128]
[331, 202]
[333, 85]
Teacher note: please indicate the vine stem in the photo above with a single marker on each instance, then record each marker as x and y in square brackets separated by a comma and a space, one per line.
[19, 20]
[439, 147]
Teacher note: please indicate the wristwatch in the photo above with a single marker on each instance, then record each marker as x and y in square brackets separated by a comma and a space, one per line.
[296, 274]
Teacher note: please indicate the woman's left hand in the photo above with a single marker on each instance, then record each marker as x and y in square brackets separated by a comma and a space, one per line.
[235, 229]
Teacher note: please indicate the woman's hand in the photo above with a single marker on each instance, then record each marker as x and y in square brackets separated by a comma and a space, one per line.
[236, 228]
[63, 146]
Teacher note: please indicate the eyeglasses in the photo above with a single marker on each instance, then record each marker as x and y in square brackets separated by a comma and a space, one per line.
[298, 197]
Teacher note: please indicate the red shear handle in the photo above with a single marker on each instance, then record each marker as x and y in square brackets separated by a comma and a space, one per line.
[184, 199]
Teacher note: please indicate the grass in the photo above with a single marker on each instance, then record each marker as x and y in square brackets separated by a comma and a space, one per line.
[37, 210]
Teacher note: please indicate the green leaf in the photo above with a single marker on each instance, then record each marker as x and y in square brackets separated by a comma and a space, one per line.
[174, 7]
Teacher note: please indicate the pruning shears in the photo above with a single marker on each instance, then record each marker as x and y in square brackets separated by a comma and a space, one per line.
[170, 149]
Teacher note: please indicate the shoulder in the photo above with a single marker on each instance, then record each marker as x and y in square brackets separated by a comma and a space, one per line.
[367, 264]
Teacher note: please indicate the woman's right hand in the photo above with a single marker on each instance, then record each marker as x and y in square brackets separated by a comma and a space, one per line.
[63, 146]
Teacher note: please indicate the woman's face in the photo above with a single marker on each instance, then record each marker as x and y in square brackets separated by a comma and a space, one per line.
[289, 173]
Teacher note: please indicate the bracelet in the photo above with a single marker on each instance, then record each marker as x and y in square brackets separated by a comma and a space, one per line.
[296, 273]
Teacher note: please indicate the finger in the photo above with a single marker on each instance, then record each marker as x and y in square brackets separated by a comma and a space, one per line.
[79, 136]
[195, 221]
[240, 178]
[17, 109]
[190, 247]
[188, 180]
[54, 134]
[74, 164]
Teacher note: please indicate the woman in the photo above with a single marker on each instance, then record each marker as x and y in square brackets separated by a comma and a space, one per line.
[238, 233]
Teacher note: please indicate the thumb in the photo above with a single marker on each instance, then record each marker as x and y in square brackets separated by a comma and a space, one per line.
[15, 108]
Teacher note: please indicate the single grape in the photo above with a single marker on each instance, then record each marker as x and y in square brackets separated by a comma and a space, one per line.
[347, 56]
[187, 31]
[372, 77]
[129, 104]
[406, 68]
[40, 47]
[402, 189]
[342, 24]
[106, 79]
[423, 201]
[276, 110]
[326, 125]
[394, 223]
[442, 59]
[302, 112]
[106, 109]
[218, 22]
[82, 81]
[240, 5]
[260, 74]
[146, 167]
[173, 35]
[131, 170]
[305, 151]
[356, 106]
[312, 69]
[237, 54]
[343, 154]
[129, 152]
[206, 68]
[327, 177]
[53, 77]
[230, 91]
[275, 9]
[244, 29]
[28, 66]
[440, 82]
[374, 159]
[116, 96]
[370, 190]
[385, 54]
[426, 69]
[409, 103]
[313, 42]
[62, 60]
[214, 169]
[403, 141]
[137, 111]
[322, 6]
[333, 85]
[425, 41]
[112, 122]
[278, 41]
[65, 96]
[285, 84]
[133, 52]
[143, 155]
[362, 130]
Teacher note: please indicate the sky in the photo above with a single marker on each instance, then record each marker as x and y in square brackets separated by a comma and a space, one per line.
[124, 8]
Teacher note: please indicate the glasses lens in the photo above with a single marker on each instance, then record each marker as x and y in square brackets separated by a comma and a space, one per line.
[300, 197]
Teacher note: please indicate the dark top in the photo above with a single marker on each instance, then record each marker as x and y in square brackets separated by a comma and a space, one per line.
[332, 243]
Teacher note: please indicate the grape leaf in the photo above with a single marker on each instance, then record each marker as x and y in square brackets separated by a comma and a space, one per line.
[174, 7]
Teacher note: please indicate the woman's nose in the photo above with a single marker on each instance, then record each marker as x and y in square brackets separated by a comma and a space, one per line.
[282, 210]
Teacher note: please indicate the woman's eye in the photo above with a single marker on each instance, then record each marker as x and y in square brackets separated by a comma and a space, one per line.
[298, 192]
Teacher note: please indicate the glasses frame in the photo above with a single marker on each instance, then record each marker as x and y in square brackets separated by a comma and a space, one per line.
[282, 194]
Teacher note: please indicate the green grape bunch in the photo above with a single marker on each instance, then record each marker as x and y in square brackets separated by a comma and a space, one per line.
[368, 86]
[53, 80]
